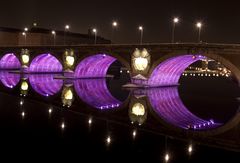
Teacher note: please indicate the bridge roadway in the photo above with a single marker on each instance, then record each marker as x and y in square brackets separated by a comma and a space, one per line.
[162, 65]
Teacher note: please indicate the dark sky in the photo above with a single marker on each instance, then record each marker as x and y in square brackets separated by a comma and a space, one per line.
[221, 18]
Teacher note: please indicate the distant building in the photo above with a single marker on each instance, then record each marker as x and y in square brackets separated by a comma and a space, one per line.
[40, 37]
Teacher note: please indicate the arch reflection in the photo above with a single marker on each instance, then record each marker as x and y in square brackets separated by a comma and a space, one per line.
[45, 85]
[95, 93]
[167, 104]
[9, 80]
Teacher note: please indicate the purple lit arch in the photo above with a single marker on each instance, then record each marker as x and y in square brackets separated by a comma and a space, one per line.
[169, 71]
[95, 93]
[169, 107]
[95, 66]
[45, 63]
[10, 61]
[45, 85]
[9, 80]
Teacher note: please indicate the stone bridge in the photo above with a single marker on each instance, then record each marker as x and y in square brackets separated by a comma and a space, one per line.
[159, 64]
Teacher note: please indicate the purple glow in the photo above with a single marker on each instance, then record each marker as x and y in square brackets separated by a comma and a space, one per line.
[95, 93]
[168, 105]
[94, 66]
[45, 63]
[169, 72]
[9, 80]
[10, 61]
[45, 85]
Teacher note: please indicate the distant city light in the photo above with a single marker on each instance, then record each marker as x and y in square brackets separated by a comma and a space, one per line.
[140, 28]
[25, 29]
[53, 32]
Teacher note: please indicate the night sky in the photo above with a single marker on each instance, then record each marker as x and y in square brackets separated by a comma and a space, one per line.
[221, 18]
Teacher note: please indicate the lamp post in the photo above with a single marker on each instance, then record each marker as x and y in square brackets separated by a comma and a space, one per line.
[95, 35]
[25, 35]
[175, 21]
[54, 37]
[199, 26]
[140, 28]
[67, 27]
[114, 27]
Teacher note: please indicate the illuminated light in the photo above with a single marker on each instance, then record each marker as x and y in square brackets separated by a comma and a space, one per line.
[138, 109]
[94, 30]
[167, 157]
[49, 111]
[120, 71]
[24, 33]
[190, 149]
[24, 86]
[134, 133]
[140, 28]
[176, 20]
[199, 25]
[25, 29]
[23, 114]
[68, 95]
[63, 125]
[128, 71]
[70, 60]
[206, 74]
[209, 75]
[90, 121]
[140, 63]
[67, 27]
[190, 74]
[213, 74]
[53, 33]
[114, 24]
[108, 140]
[21, 102]
[25, 58]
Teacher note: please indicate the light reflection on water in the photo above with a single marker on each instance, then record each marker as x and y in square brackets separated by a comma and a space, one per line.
[141, 105]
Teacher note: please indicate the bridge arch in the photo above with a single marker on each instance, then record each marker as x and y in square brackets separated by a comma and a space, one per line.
[45, 63]
[96, 66]
[10, 61]
[168, 69]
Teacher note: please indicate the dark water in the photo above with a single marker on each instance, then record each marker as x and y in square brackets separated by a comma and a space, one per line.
[201, 111]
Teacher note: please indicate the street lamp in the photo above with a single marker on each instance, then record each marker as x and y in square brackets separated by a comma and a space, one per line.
[54, 37]
[114, 26]
[67, 27]
[199, 26]
[25, 37]
[175, 21]
[95, 35]
[140, 28]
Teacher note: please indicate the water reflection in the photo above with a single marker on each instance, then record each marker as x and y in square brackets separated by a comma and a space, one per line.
[9, 80]
[45, 85]
[169, 107]
[137, 110]
[95, 93]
